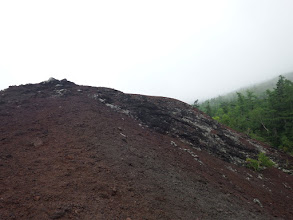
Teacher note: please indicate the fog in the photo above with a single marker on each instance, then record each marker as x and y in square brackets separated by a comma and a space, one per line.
[187, 50]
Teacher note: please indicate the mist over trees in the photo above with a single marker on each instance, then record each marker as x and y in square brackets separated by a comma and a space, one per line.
[266, 116]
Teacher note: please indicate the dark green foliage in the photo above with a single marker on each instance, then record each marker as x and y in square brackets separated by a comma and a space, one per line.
[208, 109]
[267, 117]
[195, 104]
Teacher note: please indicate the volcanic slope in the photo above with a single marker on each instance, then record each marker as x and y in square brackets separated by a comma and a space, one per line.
[80, 152]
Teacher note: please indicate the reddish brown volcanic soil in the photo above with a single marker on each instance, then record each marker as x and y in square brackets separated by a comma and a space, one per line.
[77, 152]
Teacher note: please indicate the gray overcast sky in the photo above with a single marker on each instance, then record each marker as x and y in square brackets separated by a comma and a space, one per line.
[182, 49]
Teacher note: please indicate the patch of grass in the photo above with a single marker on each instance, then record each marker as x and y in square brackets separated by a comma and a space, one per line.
[265, 161]
[253, 164]
[261, 163]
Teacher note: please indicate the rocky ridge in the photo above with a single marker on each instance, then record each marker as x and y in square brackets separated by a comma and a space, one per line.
[182, 121]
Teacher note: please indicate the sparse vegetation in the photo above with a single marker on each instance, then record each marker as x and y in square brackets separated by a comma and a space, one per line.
[253, 164]
[261, 163]
[265, 161]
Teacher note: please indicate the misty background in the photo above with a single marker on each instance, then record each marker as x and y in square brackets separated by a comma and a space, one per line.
[186, 50]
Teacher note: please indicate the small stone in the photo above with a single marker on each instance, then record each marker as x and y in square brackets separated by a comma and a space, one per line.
[69, 157]
[37, 142]
[58, 214]
[37, 198]
[258, 202]
[173, 144]
[114, 192]
[123, 135]
[9, 156]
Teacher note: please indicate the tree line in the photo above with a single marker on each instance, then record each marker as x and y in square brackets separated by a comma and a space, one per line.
[267, 117]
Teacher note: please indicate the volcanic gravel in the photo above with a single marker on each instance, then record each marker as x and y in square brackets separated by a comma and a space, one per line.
[79, 152]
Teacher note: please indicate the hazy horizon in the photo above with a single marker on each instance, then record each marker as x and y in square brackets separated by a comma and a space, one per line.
[190, 102]
[186, 50]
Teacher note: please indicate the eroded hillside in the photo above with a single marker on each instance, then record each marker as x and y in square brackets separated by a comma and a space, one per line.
[79, 152]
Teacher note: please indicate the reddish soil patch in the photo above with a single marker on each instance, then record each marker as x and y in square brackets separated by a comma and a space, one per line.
[67, 155]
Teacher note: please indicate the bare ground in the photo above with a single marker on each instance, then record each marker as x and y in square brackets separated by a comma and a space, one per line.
[71, 156]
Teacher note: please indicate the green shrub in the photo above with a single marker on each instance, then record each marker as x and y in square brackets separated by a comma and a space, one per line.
[261, 163]
[265, 161]
[253, 164]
